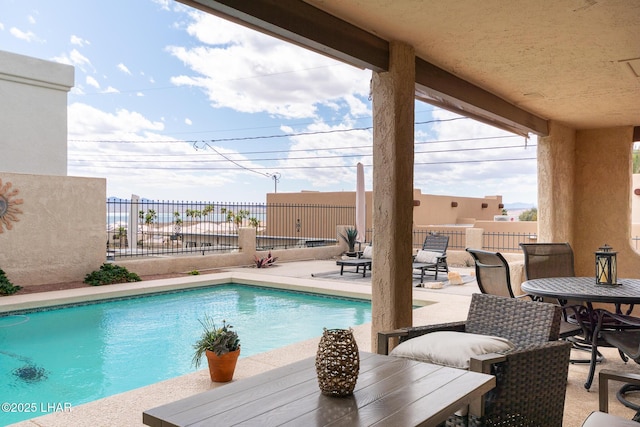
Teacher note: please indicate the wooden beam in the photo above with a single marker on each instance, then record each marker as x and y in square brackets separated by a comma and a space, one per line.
[299, 23]
[439, 87]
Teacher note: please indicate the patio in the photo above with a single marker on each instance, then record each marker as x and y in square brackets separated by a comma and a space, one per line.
[448, 304]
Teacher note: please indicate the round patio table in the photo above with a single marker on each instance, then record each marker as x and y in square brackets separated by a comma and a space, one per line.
[584, 289]
[627, 291]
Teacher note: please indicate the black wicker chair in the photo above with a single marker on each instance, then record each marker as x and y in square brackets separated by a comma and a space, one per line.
[531, 379]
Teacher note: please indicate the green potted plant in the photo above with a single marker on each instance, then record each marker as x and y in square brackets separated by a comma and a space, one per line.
[221, 346]
[350, 236]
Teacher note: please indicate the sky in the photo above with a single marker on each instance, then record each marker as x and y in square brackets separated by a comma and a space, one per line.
[171, 103]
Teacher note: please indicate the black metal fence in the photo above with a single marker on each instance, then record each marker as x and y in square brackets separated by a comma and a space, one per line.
[457, 238]
[506, 242]
[149, 227]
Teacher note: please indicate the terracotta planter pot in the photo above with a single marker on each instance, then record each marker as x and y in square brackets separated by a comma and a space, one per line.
[221, 368]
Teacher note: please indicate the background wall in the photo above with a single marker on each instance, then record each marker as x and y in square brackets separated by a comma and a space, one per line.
[59, 235]
[431, 210]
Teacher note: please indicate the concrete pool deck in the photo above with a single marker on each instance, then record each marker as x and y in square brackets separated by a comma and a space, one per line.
[443, 305]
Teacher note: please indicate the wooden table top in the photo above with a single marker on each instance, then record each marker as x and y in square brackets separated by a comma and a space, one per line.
[389, 392]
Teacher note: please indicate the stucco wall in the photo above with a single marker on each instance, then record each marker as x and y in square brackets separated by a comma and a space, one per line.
[635, 200]
[33, 115]
[432, 209]
[60, 234]
[435, 209]
[556, 181]
[602, 201]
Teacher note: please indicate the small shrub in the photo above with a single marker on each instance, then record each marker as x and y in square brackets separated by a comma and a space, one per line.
[6, 287]
[194, 273]
[110, 274]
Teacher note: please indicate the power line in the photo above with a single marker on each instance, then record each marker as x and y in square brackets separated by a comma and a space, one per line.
[236, 162]
[352, 147]
[312, 167]
[250, 138]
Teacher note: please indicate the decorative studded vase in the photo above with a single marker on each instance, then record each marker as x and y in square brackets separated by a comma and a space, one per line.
[337, 362]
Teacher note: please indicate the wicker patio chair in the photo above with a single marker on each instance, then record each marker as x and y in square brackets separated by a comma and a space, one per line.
[530, 379]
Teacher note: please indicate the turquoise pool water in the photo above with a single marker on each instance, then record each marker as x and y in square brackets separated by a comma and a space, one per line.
[56, 359]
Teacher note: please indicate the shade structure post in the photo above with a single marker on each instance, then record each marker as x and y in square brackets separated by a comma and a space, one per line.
[361, 205]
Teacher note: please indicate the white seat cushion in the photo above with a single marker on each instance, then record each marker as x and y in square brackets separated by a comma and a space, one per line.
[427, 257]
[367, 252]
[601, 419]
[453, 349]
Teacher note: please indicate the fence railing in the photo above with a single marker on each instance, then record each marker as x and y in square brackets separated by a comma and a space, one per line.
[151, 228]
[457, 238]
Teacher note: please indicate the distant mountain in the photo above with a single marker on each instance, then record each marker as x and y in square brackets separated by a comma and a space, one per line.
[519, 206]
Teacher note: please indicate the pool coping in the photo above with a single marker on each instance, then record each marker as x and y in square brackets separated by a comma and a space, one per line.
[89, 294]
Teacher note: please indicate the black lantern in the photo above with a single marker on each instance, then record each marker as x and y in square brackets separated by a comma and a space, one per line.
[606, 270]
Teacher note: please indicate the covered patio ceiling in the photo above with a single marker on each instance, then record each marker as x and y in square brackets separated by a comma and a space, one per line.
[513, 64]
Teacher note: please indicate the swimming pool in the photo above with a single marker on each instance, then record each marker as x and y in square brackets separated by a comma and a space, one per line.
[73, 355]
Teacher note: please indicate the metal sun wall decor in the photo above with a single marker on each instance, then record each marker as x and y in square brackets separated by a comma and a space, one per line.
[8, 210]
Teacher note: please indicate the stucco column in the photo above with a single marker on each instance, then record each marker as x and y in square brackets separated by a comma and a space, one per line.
[393, 138]
[603, 198]
[556, 177]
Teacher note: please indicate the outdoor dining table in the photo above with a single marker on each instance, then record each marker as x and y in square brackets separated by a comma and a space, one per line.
[623, 295]
[389, 391]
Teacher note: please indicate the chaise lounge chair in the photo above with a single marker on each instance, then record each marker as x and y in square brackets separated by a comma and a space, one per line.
[432, 256]
[364, 260]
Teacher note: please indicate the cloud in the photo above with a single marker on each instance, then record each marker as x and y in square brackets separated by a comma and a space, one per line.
[76, 59]
[78, 41]
[31, 19]
[250, 72]
[92, 82]
[123, 68]
[145, 163]
[164, 4]
[470, 160]
[27, 36]
[87, 120]
[188, 121]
